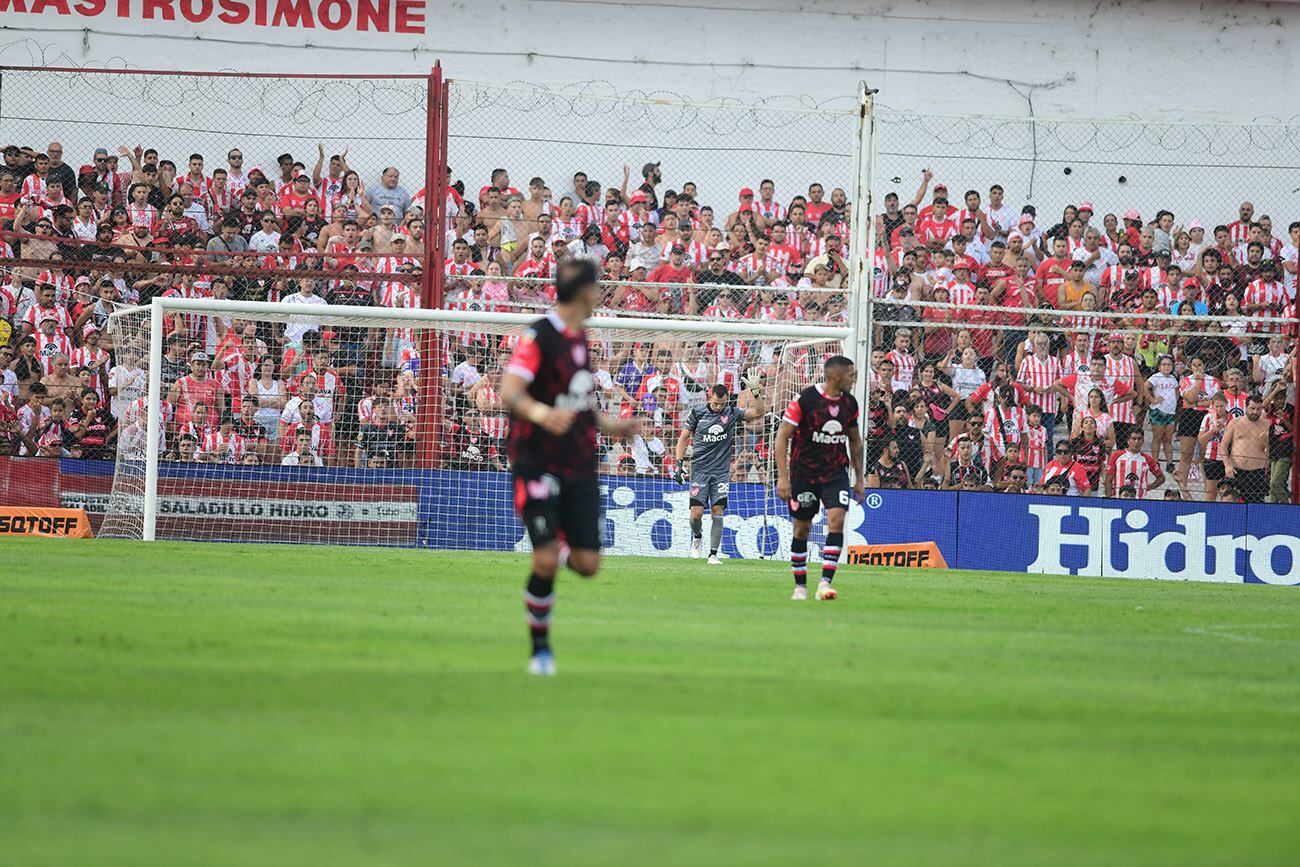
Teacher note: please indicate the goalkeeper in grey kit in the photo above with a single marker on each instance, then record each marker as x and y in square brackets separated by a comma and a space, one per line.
[712, 427]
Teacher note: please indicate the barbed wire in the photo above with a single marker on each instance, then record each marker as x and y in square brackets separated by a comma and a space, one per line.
[294, 101]
[659, 111]
[1017, 137]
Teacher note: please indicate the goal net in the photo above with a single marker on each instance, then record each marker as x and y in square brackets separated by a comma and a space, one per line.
[377, 426]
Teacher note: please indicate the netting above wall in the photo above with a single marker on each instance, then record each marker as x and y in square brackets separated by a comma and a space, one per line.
[375, 121]
[720, 146]
[1198, 171]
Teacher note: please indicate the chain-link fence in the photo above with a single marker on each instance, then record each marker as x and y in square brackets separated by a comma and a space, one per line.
[694, 210]
[1092, 300]
[765, 185]
[1200, 171]
[120, 186]
[282, 125]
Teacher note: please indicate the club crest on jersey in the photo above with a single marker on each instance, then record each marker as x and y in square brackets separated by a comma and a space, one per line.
[726, 418]
[833, 409]
[543, 487]
[579, 353]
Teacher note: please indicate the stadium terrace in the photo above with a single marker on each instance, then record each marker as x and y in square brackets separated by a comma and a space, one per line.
[1092, 351]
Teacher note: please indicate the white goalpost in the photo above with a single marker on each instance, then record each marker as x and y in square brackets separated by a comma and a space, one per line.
[378, 426]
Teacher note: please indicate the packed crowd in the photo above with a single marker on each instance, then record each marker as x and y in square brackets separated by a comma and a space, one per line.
[1117, 358]
[1121, 355]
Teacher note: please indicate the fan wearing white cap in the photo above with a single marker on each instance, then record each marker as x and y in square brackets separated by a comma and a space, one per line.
[1026, 228]
[1183, 255]
[1196, 234]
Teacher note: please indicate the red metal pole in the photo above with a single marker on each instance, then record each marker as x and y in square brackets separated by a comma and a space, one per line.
[431, 290]
[444, 183]
[1295, 410]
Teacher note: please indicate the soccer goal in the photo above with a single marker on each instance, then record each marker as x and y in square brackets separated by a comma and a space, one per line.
[273, 422]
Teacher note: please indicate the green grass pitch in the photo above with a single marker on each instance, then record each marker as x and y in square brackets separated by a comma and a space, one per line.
[184, 704]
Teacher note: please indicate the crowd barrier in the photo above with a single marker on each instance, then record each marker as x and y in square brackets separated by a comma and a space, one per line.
[410, 508]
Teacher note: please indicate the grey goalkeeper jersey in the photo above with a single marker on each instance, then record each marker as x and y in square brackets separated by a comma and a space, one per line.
[714, 436]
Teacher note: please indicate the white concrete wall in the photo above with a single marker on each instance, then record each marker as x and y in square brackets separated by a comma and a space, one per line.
[1205, 62]
[1223, 60]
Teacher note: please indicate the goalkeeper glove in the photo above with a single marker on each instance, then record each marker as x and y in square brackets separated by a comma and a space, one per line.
[754, 382]
[680, 476]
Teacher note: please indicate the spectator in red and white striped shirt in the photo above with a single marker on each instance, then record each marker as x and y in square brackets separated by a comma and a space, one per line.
[1213, 427]
[1264, 298]
[1121, 368]
[1035, 440]
[940, 223]
[1132, 468]
[1239, 230]
[768, 211]
[903, 358]
[1038, 372]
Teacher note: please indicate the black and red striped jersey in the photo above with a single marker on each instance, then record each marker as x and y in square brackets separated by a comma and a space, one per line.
[554, 361]
[819, 448]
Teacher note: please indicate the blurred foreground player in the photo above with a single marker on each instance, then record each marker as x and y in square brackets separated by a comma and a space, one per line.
[818, 436]
[548, 389]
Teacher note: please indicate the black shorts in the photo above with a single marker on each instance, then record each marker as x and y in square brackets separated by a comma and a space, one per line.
[1252, 485]
[959, 412]
[1214, 471]
[1188, 422]
[807, 497]
[551, 508]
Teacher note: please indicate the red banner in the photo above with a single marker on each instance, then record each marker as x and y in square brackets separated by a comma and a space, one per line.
[365, 16]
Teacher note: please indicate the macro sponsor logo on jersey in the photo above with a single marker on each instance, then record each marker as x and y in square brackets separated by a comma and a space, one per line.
[832, 433]
[715, 434]
[579, 397]
[1126, 543]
